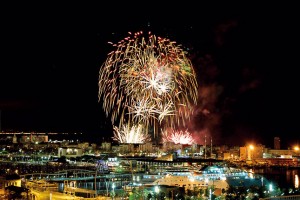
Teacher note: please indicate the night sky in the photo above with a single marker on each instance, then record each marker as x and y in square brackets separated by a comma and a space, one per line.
[245, 59]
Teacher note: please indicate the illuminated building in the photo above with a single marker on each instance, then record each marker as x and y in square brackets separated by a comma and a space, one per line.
[34, 138]
[9, 180]
[276, 143]
[147, 147]
[106, 146]
[243, 153]
[69, 151]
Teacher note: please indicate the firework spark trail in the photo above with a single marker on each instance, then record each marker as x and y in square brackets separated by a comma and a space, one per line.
[148, 80]
[178, 137]
[131, 134]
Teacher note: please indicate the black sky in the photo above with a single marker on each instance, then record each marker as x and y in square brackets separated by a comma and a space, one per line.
[245, 58]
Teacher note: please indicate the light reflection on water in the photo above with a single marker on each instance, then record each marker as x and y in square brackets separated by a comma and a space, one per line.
[284, 177]
[82, 184]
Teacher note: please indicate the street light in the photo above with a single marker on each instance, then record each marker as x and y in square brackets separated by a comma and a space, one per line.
[271, 187]
[156, 189]
[113, 193]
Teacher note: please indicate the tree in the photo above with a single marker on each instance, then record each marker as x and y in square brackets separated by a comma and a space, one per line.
[15, 192]
[236, 193]
[180, 195]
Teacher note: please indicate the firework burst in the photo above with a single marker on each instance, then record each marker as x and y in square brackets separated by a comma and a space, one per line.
[131, 134]
[148, 80]
[178, 137]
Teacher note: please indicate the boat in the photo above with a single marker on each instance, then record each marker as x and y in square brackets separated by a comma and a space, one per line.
[215, 177]
[208, 176]
[190, 182]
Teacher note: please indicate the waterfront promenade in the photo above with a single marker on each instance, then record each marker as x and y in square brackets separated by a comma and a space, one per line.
[40, 193]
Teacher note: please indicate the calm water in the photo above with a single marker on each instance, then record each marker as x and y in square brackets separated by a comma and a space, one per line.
[285, 178]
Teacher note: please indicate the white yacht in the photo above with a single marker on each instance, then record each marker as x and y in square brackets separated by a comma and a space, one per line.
[218, 177]
[189, 182]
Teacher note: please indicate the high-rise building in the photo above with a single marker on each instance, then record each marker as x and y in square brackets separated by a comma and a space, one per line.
[276, 143]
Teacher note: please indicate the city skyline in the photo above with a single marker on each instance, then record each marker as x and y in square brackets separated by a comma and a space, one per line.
[245, 64]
